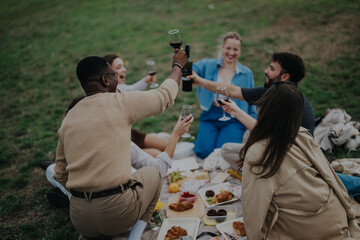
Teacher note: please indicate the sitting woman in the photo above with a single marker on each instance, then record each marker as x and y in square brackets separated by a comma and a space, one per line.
[290, 191]
[150, 144]
[213, 133]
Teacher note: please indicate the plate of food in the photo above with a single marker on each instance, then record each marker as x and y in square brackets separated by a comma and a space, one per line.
[220, 194]
[174, 228]
[233, 229]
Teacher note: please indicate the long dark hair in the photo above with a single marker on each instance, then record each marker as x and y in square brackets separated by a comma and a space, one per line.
[279, 119]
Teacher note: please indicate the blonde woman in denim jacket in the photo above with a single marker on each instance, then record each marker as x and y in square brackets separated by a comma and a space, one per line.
[212, 132]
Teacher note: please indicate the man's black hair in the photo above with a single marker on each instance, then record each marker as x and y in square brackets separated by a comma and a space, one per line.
[90, 69]
[291, 64]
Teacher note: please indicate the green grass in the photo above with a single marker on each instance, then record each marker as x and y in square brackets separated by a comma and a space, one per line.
[42, 41]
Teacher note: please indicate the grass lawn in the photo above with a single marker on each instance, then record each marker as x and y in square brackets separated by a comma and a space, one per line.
[42, 41]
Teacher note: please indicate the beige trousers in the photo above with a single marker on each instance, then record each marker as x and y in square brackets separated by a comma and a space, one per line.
[107, 217]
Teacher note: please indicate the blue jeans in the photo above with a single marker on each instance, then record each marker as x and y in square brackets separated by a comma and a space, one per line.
[352, 184]
[213, 133]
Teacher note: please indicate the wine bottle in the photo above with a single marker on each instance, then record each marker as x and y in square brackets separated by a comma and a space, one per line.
[187, 83]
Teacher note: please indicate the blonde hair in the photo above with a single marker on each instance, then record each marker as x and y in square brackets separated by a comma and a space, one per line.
[232, 35]
[229, 35]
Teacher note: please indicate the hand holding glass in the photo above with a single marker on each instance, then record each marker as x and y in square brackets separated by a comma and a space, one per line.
[151, 68]
[222, 94]
[175, 38]
[186, 111]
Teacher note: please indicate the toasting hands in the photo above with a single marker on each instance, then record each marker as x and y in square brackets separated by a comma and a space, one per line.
[179, 55]
[150, 79]
[230, 107]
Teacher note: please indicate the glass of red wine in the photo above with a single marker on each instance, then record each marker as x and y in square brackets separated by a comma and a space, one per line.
[186, 111]
[175, 38]
[151, 69]
[222, 94]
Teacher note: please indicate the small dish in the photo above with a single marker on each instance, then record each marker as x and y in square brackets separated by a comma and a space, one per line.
[227, 227]
[188, 196]
[231, 212]
[191, 225]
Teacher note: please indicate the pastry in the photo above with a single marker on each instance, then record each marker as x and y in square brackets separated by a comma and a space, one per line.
[239, 228]
[175, 232]
[223, 197]
[181, 206]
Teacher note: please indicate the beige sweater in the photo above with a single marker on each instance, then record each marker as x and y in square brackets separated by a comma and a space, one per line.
[303, 200]
[93, 151]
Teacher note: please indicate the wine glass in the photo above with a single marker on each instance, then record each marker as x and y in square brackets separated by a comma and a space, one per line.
[186, 111]
[175, 38]
[222, 94]
[151, 68]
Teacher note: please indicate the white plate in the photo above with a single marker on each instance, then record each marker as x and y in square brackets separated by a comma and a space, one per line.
[216, 189]
[191, 225]
[227, 227]
[183, 164]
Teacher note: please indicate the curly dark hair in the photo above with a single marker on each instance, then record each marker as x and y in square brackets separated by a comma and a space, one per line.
[90, 69]
[291, 64]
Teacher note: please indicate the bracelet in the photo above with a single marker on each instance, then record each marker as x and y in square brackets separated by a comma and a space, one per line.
[176, 61]
[178, 65]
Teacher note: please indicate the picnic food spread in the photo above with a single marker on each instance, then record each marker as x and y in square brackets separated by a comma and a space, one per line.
[175, 232]
[185, 205]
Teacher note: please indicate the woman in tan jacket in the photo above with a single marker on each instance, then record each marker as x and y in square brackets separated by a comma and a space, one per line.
[289, 189]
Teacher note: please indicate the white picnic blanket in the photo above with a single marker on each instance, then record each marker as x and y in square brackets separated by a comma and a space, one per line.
[335, 129]
[348, 166]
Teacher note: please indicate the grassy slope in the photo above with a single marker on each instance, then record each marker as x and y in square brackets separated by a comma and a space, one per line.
[41, 42]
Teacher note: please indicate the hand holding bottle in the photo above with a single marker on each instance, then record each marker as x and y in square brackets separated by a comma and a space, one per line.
[197, 80]
[187, 83]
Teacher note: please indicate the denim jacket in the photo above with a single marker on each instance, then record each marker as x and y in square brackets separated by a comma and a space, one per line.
[208, 68]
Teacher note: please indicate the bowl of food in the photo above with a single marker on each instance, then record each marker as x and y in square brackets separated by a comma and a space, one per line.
[188, 196]
[219, 214]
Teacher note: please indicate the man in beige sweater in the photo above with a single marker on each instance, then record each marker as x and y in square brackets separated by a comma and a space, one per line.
[93, 153]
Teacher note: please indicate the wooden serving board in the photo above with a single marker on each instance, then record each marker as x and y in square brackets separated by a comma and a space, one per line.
[196, 212]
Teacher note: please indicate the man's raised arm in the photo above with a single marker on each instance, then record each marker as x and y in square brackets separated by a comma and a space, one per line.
[233, 91]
